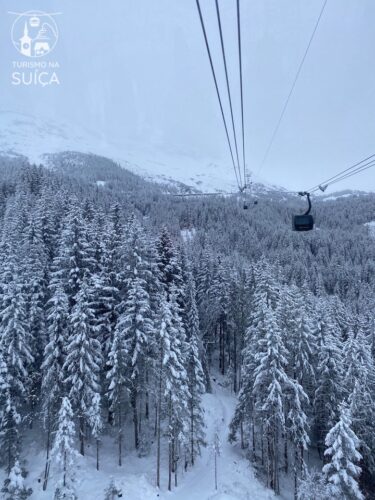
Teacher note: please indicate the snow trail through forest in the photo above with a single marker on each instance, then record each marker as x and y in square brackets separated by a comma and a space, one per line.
[236, 479]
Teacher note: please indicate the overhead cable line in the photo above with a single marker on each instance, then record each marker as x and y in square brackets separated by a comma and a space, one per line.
[228, 86]
[278, 123]
[217, 90]
[347, 170]
[358, 170]
[241, 90]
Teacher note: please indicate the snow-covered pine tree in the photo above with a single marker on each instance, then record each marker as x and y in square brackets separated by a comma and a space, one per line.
[110, 283]
[63, 452]
[297, 334]
[341, 470]
[219, 300]
[204, 276]
[237, 322]
[53, 363]
[359, 388]
[299, 343]
[83, 360]
[297, 427]
[9, 424]
[116, 378]
[34, 272]
[194, 372]
[329, 392]
[269, 391]
[168, 263]
[103, 294]
[15, 350]
[172, 383]
[265, 296]
[137, 322]
[95, 422]
[74, 260]
[9, 419]
[14, 485]
[313, 486]
[243, 418]
[113, 491]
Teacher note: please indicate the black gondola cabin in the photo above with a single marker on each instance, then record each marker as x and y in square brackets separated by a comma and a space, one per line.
[303, 222]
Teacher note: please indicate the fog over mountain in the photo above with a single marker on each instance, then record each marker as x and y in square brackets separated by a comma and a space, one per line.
[136, 73]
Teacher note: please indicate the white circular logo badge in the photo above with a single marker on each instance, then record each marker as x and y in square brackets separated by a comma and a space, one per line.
[34, 33]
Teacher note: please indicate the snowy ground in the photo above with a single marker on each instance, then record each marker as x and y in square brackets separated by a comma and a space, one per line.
[236, 480]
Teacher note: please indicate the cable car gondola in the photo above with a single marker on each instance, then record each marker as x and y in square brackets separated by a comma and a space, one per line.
[304, 222]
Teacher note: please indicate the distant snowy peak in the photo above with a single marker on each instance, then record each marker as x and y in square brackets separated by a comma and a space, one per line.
[40, 141]
[26, 135]
[342, 194]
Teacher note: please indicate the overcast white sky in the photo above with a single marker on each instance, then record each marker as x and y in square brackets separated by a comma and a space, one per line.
[137, 72]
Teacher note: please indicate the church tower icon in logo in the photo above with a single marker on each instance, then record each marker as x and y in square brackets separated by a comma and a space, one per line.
[34, 33]
[25, 42]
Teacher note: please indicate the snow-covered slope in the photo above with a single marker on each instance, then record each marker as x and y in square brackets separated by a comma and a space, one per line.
[236, 478]
[342, 194]
[34, 138]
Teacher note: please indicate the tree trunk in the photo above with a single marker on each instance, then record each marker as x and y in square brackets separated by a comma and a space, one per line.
[242, 436]
[215, 470]
[147, 410]
[206, 371]
[97, 454]
[176, 458]
[173, 454]
[10, 437]
[170, 466]
[253, 439]
[82, 434]
[276, 462]
[270, 477]
[170, 444]
[133, 402]
[158, 421]
[296, 459]
[110, 417]
[220, 349]
[192, 432]
[119, 435]
[235, 367]
[286, 461]
[46, 470]
[65, 469]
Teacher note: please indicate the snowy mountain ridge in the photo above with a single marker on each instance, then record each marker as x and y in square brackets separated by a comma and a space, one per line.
[37, 140]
